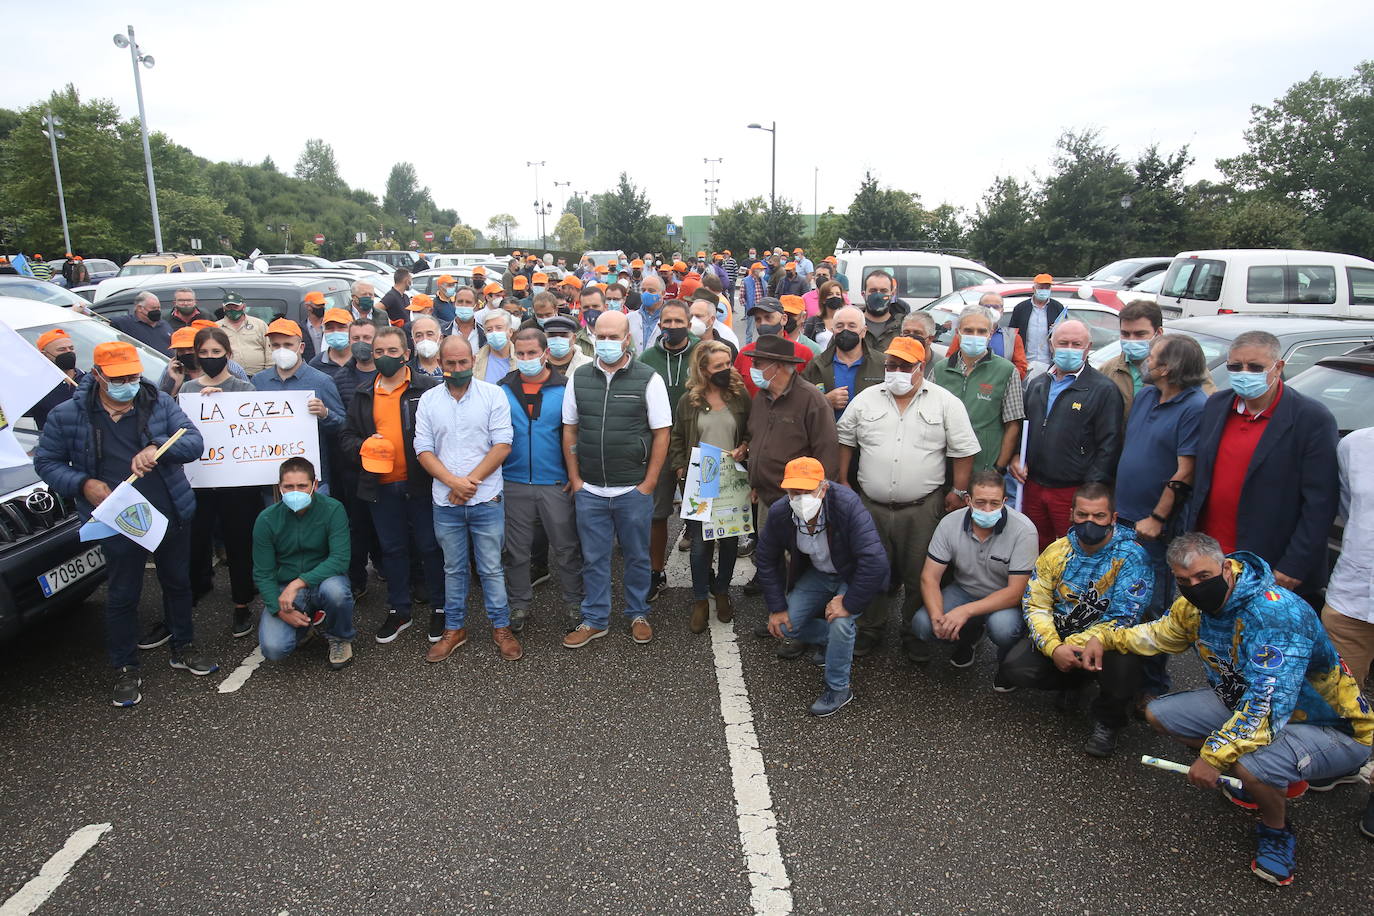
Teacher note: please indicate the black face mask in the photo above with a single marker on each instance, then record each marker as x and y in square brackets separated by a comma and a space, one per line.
[791, 325]
[154, 315]
[1090, 534]
[721, 379]
[389, 365]
[846, 340]
[674, 336]
[876, 303]
[65, 361]
[834, 302]
[361, 351]
[770, 329]
[213, 365]
[1208, 596]
[317, 311]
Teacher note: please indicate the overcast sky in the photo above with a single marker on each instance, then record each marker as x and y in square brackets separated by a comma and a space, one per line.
[937, 101]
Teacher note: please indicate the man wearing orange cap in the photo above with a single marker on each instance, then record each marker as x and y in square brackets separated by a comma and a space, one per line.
[247, 334]
[636, 274]
[820, 564]
[519, 295]
[113, 426]
[58, 346]
[315, 306]
[1034, 319]
[791, 284]
[804, 265]
[905, 430]
[290, 373]
[793, 308]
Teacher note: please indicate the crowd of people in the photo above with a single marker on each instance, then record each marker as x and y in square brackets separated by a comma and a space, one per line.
[1088, 523]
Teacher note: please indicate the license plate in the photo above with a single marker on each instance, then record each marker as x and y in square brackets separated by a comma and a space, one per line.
[75, 569]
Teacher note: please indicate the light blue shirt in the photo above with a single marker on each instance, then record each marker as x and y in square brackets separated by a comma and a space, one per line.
[1057, 384]
[460, 433]
[1038, 330]
[816, 546]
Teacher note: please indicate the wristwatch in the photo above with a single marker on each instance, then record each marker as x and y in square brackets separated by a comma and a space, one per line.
[1158, 518]
[962, 494]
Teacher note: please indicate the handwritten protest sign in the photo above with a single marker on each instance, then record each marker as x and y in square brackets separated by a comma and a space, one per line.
[248, 434]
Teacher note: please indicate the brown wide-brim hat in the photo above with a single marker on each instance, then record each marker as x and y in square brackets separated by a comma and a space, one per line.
[777, 348]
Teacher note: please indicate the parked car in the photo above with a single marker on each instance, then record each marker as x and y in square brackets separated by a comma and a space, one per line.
[394, 258]
[1303, 340]
[33, 319]
[22, 287]
[425, 280]
[1345, 384]
[97, 269]
[922, 276]
[380, 267]
[219, 262]
[458, 260]
[265, 295]
[1269, 281]
[1099, 313]
[602, 257]
[1128, 273]
[167, 263]
[293, 260]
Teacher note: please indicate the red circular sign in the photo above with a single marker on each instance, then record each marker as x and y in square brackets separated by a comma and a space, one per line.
[429, 236]
[319, 240]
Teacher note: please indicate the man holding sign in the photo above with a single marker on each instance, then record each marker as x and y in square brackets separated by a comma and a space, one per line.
[116, 425]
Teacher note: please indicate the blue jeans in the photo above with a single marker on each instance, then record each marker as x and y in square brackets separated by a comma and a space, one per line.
[703, 584]
[1154, 670]
[806, 622]
[1003, 627]
[396, 515]
[484, 525]
[600, 522]
[124, 561]
[334, 596]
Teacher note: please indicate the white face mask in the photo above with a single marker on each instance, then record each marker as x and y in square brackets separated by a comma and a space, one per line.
[285, 358]
[899, 383]
[697, 327]
[805, 506]
[427, 348]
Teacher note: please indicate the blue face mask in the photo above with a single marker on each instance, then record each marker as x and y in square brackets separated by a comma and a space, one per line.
[649, 300]
[615, 305]
[463, 312]
[124, 392]
[1068, 359]
[1135, 350]
[756, 376]
[529, 367]
[1042, 295]
[497, 340]
[985, 519]
[559, 347]
[336, 340]
[973, 346]
[542, 321]
[1248, 385]
[296, 500]
[609, 351]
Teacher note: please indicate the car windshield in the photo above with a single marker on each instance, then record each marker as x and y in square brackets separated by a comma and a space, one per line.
[87, 333]
[137, 270]
[1114, 272]
[1347, 393]
[25, 288]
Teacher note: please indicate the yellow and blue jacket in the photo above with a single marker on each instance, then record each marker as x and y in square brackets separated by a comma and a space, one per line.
[1268, 659]
[1070, 591]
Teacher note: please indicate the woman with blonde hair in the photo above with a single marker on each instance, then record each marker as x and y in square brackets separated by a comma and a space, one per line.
[715, 410]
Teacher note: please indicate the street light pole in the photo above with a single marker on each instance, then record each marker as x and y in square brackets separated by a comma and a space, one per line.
[538, 219]
[773, 181]
[138, 57]
[53, 133]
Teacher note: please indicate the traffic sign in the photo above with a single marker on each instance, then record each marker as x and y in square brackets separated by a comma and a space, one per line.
[672, 230]
[429, 236]
[319, 239]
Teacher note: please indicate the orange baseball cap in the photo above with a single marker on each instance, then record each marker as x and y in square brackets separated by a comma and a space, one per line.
[183, 338]
[207, 323]
[444, 278]
[338, 316]
[637, 262]
[314, 297]
[479, 271]
[531, 257]
[601, 268]
[117, 358]
[378, 454]
[600, 286]
[680, 266]
[1043, 278]
[285, 326]
[796, 251]
[571, 280]
[519, 282]
[688, 286]
[906, 348]
[831, 259]
[48, 337]
[802, 474]
[540, 278]
[793, 305]
[491, 288]
[515, 253]
[701, 254]
[419, 302]
[612, 262]
[790, 265]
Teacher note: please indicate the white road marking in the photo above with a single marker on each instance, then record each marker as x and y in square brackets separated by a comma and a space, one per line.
[679, 568]
[32, 895]
[241, 674]
[770, 891]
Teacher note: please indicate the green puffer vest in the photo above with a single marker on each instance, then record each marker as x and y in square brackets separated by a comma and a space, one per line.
[613, 435]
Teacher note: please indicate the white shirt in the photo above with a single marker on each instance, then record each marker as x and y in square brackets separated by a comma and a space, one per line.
[1351, 589]
[655, 403]
[461, 432]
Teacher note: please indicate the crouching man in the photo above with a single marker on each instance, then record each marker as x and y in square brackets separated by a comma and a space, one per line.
[301, 549]
[1282, 711]
[837, 566]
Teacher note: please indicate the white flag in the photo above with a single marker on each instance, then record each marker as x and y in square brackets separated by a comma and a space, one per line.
[28, 375]
[129, 513]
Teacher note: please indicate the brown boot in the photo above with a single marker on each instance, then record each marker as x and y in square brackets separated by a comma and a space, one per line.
[508, 645]
[725, 611]
[701, 615]
[450, 640]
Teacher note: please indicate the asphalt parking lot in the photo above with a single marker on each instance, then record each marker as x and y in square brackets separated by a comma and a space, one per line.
[600, 782]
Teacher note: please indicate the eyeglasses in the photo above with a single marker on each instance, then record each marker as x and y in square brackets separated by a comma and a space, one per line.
[1247, 367]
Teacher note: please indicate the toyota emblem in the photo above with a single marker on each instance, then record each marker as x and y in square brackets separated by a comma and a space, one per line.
[40, 502]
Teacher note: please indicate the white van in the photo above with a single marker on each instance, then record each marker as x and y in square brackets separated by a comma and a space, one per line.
[1269, 281]
[922, 276]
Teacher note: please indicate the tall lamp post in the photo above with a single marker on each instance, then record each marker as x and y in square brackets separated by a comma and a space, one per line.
[54, 134]
[538, 217]
[138, 57]
[773, 182]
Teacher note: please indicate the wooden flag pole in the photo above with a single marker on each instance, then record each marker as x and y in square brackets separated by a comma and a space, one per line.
[158, 454]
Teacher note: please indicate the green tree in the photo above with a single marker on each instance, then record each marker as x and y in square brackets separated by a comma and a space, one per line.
[9, 120]
[999, 235]
[882, 214]
[739, 226]
[624, 220]
[569, 232]
[463, 236]
[1081, 223]
[1157, 220]
[404, 196]
[944, 227]
[502, 227]
[585, 208]
[318, 166]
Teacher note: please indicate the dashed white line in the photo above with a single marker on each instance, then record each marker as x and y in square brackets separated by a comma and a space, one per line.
[770, 891]
[241, 674]
[32, 895]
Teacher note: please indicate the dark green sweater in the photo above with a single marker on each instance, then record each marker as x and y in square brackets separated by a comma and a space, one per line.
[312, 546]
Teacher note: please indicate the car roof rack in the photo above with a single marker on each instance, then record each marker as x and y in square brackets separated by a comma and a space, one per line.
[901, 245]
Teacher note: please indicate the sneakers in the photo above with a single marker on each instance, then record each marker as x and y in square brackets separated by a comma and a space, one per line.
[789, 650]
[999, 686]
[243, 622]
[157, 635]
[701, 615]
[1102, 742]
[1275, 854]
[1241, 798]
[640, 631]
[583, 634]
[448, 642]
[831, 702]
[962, 656]
[657, 580]
[340, 653]
[917, 650]
[725, 611]
[1326, 785]
[436, 625]
[126, 686]
[1366, 822]
[392, 627]
[818, 656]
[684, 543]
[507, 644]
[865, 642]
[189, 658]
[538, 575]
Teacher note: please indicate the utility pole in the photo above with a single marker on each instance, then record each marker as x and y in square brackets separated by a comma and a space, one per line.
[54, 134]
[138, 57]
[538, 217]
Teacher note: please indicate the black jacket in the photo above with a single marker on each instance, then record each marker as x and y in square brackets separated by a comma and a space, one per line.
[1080, 441]
[360, 426]
[1020, 317]
[1292, 487]
[395, 303]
